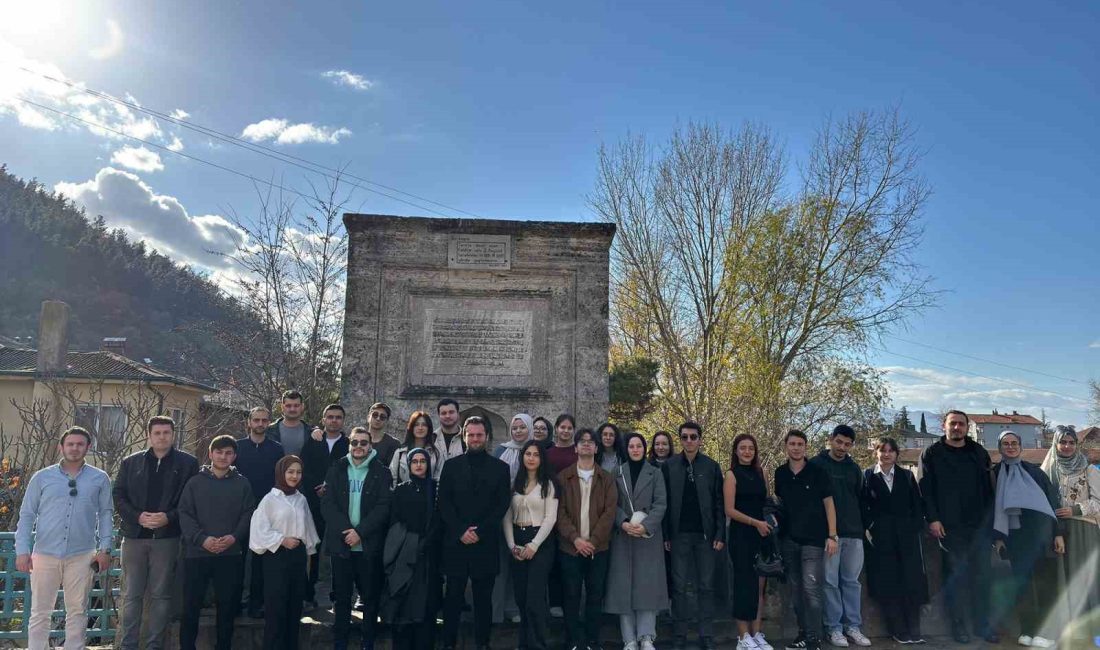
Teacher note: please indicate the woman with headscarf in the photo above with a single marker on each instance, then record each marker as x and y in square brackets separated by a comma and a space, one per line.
[418, 435]
[282, 530]
[637, 549]
[521, 430]
[411, 557]
[1025, 531]
[540, 431]
[1078, 485]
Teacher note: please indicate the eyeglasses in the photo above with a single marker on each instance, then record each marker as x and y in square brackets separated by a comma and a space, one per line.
[72, 487]
[379, 416]
[586, 441]
[1007, 443]
[689, 436]
[359, 443]
[691, 473]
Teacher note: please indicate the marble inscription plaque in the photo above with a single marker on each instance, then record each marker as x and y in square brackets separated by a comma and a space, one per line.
[478, 342]
[485, 252]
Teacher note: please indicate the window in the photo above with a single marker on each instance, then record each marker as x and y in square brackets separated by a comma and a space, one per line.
[177, 416]
[107, 424]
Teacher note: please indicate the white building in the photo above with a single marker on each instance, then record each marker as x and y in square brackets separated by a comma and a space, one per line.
[987, 427]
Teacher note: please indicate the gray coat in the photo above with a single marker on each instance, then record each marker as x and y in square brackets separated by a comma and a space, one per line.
[635, 560]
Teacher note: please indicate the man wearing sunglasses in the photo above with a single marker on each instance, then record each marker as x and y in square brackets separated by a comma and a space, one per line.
[382, 442]
[695, 530]
[67, 511]
[356, 506]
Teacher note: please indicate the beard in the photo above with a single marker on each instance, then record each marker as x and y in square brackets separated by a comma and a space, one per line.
[475, 450]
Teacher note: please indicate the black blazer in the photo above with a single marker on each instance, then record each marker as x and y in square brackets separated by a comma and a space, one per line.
[708, 485]
[374, 508]
[473, 498]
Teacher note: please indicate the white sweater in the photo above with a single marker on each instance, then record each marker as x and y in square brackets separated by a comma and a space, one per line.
[530, 510]
[279, 516]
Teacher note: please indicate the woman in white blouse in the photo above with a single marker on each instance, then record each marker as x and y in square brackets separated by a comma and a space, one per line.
[528, 525]
[282, 530]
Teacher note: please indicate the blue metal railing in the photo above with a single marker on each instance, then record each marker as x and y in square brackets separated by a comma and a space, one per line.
[15, 598]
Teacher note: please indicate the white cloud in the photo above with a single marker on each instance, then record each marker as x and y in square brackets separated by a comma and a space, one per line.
[126, 202]
[113, 45]
[925, 389]
[176, 144]
[349, 79]
[179, 114]
[1095, 345]
[17, 84]
[282, 131]
[138, 158]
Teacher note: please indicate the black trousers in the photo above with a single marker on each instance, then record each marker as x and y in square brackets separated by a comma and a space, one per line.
[455, 597]
[529, 580]
[590, 573]
[284, 589]
[314, 564]
[414, 636]
[693, 558]
[360, 571]
[1034, 580]
[902, 614]
[966, 561]
[255, 579]
[746, 583]
[197, 574]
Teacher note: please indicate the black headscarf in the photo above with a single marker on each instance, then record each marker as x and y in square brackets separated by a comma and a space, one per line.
[635, 465]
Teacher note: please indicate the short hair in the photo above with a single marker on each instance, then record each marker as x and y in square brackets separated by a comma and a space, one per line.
[159, 419]
[444, 402]
[585, 431]
[223, 442]
[355, 430]
[379, 405]
[256, 409]
[333, 407]
[956, 412]
[76, 431]
[690, 425]
[888, 442]
[291, 394]
[794, 433]
[477, 420]
[843, 430]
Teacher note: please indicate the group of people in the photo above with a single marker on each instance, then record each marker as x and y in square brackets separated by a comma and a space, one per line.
[555, 516]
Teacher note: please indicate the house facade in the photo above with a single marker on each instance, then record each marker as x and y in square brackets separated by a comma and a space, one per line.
[987, 427]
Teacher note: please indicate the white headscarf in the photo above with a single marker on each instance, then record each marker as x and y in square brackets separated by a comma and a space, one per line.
[1056, 466]
[512, 449]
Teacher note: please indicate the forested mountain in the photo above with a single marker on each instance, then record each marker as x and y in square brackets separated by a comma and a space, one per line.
[50, 249]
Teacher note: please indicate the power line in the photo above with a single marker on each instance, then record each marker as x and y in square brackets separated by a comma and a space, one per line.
[997, 363]
[207, 162]
[975, 374]
[286, 158]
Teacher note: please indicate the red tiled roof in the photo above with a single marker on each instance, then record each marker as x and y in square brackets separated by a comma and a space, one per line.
[1089, 433]
[92, 365]
[1001, 418]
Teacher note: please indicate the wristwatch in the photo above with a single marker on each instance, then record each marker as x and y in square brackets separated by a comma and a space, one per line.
[835, 538]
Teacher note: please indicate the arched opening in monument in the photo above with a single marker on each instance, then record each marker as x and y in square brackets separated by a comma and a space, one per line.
[498, 428]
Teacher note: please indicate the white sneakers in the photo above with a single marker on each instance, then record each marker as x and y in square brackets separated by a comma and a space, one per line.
[1034, 642]
[761, 642]
[647, 643]
[747, 642]
[837, 638]
[858, 637]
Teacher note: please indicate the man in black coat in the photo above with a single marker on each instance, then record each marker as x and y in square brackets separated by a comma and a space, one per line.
[356, 506]
[958, 503]
[695, 530]
[318, 455]
[473, 497]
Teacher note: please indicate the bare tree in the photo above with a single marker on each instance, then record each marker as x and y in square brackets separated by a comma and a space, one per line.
[1094, 410]
[759, 304]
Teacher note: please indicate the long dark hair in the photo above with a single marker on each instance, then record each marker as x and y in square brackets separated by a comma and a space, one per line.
[542, 474]
[410, 439]
[626, 441]
[616, 446]
[735, 461]
[653, 446]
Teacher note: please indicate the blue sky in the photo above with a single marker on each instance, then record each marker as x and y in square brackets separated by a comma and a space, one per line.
[498, 108]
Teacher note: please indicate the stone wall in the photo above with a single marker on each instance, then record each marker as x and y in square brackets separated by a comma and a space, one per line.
[508, 316]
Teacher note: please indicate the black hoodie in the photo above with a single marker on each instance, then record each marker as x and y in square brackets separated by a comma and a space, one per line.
[847, 480]
[213, 507]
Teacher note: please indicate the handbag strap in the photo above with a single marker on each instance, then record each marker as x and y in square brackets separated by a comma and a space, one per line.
[627, 489]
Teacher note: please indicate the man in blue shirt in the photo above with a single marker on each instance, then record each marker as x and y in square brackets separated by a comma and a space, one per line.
[63, 538]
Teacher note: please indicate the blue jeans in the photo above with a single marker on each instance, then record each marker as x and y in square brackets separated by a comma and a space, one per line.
[842, 588]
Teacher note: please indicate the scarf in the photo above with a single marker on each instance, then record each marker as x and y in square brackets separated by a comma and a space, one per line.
[425, 484]
[512, 449]
[280, 473]
[1057, 466]
[1016, 492]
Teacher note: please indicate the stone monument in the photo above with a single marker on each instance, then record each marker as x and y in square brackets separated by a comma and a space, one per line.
[504, 316]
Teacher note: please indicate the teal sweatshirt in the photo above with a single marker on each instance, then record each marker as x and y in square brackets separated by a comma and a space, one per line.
[356, 477]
